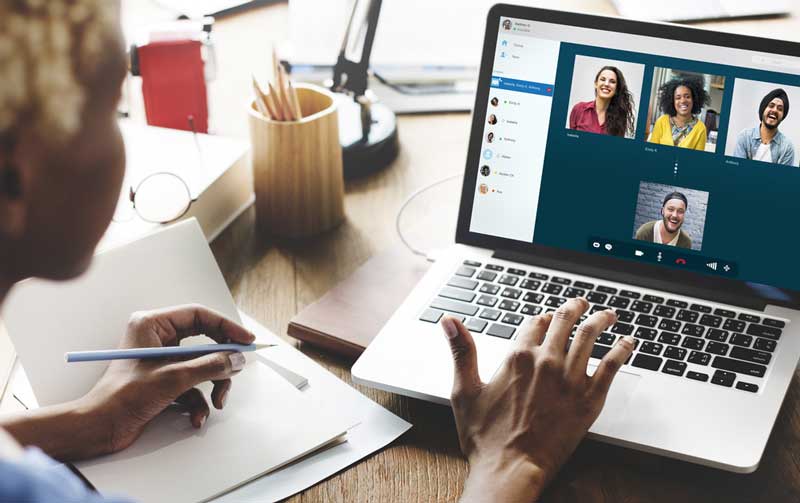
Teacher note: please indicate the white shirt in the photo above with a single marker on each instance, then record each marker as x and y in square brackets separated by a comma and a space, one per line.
[657, 234]
[763, 153]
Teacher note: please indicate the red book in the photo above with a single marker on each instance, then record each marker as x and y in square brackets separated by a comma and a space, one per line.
[174, 85]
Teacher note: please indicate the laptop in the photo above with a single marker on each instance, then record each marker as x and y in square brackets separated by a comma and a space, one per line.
[691, 244]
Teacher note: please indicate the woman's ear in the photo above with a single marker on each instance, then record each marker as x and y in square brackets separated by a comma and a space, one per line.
[13, 208]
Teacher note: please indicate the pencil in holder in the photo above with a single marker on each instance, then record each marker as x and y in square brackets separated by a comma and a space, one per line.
[297, 167]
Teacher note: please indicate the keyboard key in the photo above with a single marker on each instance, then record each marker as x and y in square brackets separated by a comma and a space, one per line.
[727, 313]
[459, 282]
[764, 345]
[673, 367]
[465, 271]
[535, 298]
[431, 315]
[571, 292]
[606, 289]
[647, 361]
[653, 298]
[622, 329]
[723, 378]
[490, 314]
[503, 331]
[538, 275]
[531, 310]
[677, 303]
[641, 307]
[670, 325]
[699, 358]
[697, 376]
[554, 301]
[494, 267]
[487, 275]
[509, 305]
[750, 317]
[750, 355]
[734, 325]
[472, 263]
[597, 308]
[647, 334]
[664, 311]
[454, 306]
[597, 298]
[475, 325]
[693, 330]
[651, 348]
[561, 281]
[742, 340]
[606, 338]
[583, 284]
[489, 288]
[619, 302]
[487, 300]
[700, 308]
[717, 348]
[716, 334]
[599, 351]
[675, 353]
[625, 316]
[693, 343]
[507, 279]
[552, 289]
[630, 294]
[762, 331]
[511, 293]
[646, 320]
[530, 284]
[518, 272]
[773, 323]
[512, 319]
[686, 315]
[746, 386]
[457, 294]
[738, 366]
[669, 338]
[710, 320]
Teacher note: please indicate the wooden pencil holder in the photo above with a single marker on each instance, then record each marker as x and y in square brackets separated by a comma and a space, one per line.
[297, 168]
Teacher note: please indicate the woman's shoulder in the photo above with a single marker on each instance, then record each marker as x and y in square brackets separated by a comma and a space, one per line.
[583, 105]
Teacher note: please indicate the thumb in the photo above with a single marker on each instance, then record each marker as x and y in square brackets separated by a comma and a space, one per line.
[210, 367]
[465, 357]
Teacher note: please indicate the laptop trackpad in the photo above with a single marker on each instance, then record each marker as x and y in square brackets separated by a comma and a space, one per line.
[616, 402]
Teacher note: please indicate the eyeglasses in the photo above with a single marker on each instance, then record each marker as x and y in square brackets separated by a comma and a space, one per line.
[159, 198]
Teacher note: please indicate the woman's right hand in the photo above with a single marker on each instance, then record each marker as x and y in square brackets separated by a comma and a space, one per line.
[519, 429]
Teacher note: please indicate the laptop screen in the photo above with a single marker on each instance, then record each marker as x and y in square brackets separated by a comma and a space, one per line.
[663, 152]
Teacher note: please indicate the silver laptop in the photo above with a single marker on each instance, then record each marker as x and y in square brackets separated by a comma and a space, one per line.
[692, 244]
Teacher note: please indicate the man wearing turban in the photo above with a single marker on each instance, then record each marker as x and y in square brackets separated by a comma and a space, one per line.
[765, 142]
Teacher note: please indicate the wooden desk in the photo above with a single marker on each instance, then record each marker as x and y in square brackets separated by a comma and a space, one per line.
[272, 280]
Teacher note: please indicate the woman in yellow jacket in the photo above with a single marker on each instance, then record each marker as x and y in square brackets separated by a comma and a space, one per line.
[681, 100]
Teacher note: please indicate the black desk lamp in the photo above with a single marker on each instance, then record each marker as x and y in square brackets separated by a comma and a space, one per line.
[367, 130]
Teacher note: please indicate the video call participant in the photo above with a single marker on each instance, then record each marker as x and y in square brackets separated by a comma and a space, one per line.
[680, 101]
[492, 119]
[765, 142]
[667, 231]
[611, 111]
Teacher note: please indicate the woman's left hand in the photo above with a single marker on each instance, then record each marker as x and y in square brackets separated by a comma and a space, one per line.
[133, 392]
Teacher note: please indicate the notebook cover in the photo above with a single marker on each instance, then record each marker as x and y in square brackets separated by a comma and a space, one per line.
[347, 318]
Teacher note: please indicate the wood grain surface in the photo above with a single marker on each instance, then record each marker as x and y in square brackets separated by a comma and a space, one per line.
[273, 279]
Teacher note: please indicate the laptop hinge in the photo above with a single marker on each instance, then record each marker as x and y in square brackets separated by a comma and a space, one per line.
[741, 297]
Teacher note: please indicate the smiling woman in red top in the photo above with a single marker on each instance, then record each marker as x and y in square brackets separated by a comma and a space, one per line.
[612, 110]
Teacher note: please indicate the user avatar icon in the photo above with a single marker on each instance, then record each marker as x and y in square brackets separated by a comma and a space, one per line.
[492, 120]
[483, 188]
[507, 24]
[487, 154]
[485, 170]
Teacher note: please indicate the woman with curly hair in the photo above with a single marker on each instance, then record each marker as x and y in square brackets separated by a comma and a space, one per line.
[681, 100]
[611, 111]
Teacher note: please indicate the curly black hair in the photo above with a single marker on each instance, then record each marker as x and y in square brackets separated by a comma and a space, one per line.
[666, 94]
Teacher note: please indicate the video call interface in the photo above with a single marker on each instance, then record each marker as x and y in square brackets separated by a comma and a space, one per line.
[677, 154]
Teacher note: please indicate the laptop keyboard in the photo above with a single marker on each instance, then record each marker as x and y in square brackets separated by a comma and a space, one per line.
[689, 340]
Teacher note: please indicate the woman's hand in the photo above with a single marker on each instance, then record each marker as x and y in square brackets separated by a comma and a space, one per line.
[132, 392]
[519, 429]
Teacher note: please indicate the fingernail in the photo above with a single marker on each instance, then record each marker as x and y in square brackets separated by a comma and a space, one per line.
[237, 361]
[223, 398]
[449, 328]
[202, 421]
[630, 340]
